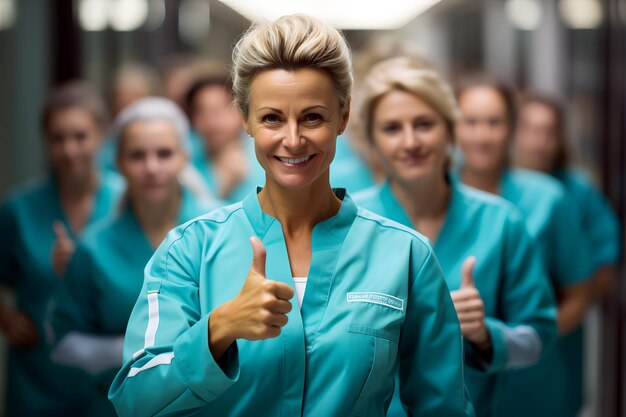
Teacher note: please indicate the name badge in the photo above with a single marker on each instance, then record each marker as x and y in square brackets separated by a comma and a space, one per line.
[376, 298]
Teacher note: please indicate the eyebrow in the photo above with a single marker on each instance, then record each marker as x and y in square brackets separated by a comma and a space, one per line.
[303, 110]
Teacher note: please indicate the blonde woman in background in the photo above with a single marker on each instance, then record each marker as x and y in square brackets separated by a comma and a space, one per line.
[499, 284]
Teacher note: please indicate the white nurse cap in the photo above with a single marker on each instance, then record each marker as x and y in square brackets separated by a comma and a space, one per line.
[150, 108]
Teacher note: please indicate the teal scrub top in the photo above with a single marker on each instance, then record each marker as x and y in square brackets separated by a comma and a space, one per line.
[553, 220]
[599, 221]
[375, 303]
[509, 274]
[104, 279]
[36, 386]
[255, 177]
[348, 169]
[106, 155]
[105, 274]
[602, 228]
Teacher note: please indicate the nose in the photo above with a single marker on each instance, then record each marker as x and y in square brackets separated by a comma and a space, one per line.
[152, 163]
[411, 138]
[70, 147]
[292, 139]
[482, 130]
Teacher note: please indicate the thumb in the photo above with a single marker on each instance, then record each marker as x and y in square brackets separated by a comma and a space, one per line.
[258, 256]
[467, 272]
[60, 231]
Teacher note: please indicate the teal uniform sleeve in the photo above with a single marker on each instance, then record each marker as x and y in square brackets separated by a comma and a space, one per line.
[603, 228]
[166, 349]
[528, 324]
[569, 261]
[431, 350]
[8, 267]
[74, 310]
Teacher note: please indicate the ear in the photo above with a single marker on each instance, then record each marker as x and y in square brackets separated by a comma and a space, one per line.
[244, 122]
[345, 116]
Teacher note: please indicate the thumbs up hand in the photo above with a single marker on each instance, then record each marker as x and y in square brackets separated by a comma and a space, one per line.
[469, 306]
[258, 312]
[62, 250]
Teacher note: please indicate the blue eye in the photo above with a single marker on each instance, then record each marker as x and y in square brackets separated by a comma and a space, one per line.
[313, 117]
[270, 118]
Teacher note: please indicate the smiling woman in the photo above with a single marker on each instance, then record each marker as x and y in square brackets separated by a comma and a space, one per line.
[104, 276]
[216, 336]
[499, 285]
[39, 224]
[295, 118]
[484, 134]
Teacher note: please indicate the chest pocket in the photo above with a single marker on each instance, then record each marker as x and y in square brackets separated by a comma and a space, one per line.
[384, 344]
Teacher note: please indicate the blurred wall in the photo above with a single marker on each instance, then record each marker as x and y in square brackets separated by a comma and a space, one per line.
[24, 80]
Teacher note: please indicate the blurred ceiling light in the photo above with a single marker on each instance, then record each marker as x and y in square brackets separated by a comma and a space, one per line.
[93, 14]
[194, 21]
[342, 14]
[127, 15]
[524, 14]
[156, 14]
[581, 14]
[7, 14]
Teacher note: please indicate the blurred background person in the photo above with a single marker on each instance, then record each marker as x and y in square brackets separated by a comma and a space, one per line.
[379, 48]
[499, 284]
[132, 81]
[105, 275]
[179, 73]
[39, 224]
[484, 135]
[226, 158]
[349, 169]
[540, 144]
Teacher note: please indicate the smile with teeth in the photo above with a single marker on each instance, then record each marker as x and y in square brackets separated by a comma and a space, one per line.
[295, 161]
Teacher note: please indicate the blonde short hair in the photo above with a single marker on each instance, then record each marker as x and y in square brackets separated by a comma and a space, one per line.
[289, 43]
[410, 75]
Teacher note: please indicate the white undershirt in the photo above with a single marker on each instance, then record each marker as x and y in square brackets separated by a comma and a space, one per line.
[300, 285]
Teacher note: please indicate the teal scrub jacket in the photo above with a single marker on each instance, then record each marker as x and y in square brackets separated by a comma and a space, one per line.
[376, 303]
[104, 279]
[36, 386]
[509, 274]
[602, 228]
[555, 223]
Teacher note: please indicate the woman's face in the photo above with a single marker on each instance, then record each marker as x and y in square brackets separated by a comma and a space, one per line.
[483, 130]
[151, 158]
[410, 137]
[537, 138]
[294, 117]
[72, 140]
[215, 117]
